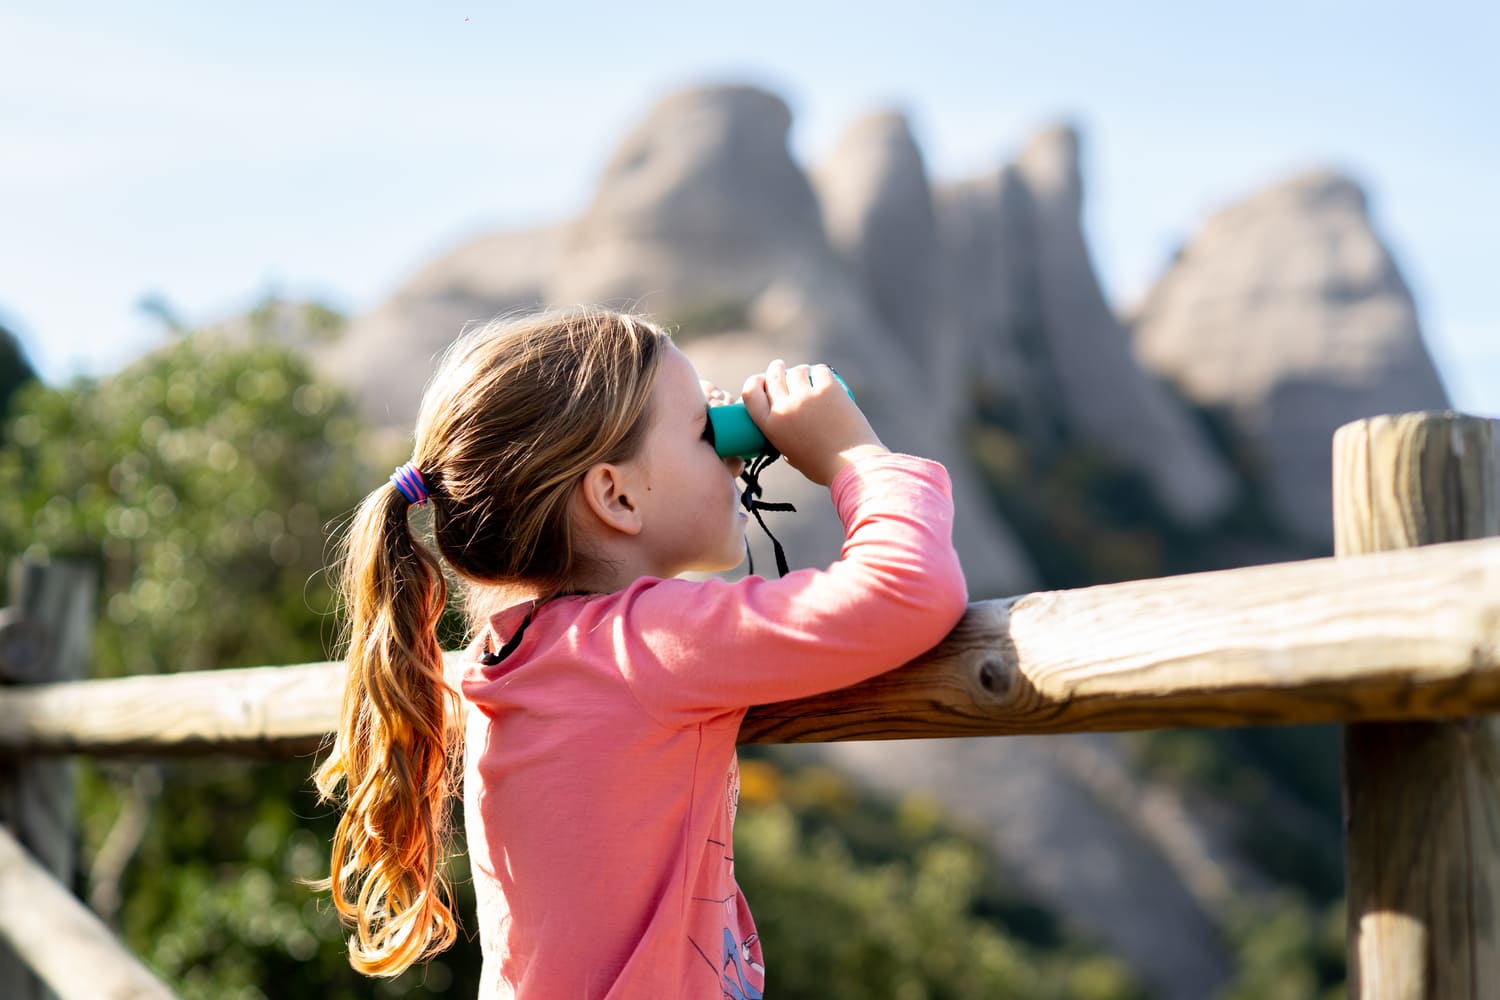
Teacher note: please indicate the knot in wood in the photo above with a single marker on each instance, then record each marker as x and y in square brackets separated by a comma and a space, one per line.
[994, 677]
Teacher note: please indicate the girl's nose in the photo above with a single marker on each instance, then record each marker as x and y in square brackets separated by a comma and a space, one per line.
[736, 464]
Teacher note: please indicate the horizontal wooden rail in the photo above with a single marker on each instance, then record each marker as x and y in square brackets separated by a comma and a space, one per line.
[1413, 634]
[61, 940]
[250, 712]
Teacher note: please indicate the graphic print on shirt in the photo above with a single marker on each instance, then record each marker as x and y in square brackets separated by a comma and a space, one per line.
[739, 967]
[737, 962]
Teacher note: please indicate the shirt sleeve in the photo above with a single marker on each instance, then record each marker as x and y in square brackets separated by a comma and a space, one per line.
[693, 647]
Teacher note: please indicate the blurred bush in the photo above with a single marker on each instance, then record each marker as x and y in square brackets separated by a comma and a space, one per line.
[15, 368]
[200, 481]
[855, 897]
[203, 481]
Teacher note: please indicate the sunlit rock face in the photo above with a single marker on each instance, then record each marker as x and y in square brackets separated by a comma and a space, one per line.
[696, 205]
[389, 352]
[989, 288]
[1101, 391]
[1287, 312]
[989, 294]
[878, 211]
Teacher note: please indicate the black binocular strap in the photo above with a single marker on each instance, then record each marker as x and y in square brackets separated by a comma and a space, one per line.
[751, 499]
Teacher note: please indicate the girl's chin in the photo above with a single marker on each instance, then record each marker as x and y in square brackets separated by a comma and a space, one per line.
[737, 559]
[731, 559]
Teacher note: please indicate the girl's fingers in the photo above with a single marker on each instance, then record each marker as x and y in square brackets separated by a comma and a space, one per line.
[776, 378]
[799, 378]
[753, 395]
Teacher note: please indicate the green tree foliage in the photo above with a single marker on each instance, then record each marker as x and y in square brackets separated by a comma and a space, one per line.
[202, 481]
[856, 898]
[15, 368]
[217, 899]
[1287, 949]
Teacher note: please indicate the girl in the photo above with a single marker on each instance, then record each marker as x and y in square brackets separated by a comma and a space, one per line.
[572, 476]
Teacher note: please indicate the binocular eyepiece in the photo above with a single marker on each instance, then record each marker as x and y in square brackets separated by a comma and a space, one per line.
[735, 435]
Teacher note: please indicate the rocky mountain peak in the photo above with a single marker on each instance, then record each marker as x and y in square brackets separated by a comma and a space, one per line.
[706, 176]
[1079, 349]
[1287, 313]
[878, 212]
[1049, 163]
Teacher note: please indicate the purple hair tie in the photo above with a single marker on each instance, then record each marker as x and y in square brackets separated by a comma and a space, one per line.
[408, 479]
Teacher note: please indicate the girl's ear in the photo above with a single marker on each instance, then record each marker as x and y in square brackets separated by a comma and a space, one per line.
[606, 492]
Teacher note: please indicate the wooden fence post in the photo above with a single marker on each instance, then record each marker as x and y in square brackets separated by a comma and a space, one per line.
[44, 636]
[1421, 800]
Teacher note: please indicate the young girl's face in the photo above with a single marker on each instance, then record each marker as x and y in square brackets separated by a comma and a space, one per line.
[689, 499]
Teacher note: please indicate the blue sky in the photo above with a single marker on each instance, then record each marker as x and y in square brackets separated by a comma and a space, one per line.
[329, 149]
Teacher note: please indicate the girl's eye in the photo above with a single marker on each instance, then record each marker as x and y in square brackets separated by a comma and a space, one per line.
[708, 427]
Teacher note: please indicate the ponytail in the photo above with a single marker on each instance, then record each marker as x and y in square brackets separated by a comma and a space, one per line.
[517, 413]
[393, 750]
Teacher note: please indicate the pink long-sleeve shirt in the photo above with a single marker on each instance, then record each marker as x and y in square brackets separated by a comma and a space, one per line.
[601, 780]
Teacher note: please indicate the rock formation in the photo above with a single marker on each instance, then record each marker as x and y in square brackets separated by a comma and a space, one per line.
[390, 352]
[1102, 392]
[701, 203]
[878, 210]
[1287, 313]
[990, 293]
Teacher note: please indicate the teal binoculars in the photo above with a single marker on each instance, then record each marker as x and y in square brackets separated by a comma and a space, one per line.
[735, 434]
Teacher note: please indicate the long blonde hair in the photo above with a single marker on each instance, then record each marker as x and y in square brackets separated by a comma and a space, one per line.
[517, 413]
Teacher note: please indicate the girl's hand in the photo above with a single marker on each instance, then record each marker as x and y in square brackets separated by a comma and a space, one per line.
[714, 395]
[810, 419]
[718, 397]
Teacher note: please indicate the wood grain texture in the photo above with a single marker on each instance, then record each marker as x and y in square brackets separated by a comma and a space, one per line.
[253, 712]
[1422, 800]
[1403, 635]
[1409, 636]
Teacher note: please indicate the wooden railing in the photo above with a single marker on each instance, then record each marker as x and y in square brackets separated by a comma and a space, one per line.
[1401, 646]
